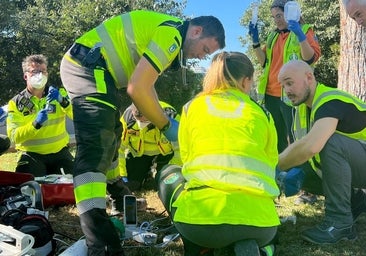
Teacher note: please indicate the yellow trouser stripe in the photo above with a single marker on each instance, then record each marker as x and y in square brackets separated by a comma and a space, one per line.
[99, 81]
[100, 101]
[90, 191]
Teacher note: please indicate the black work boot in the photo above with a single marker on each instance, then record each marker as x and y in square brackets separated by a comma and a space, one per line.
[327, 233]
[117, 191]
[100, 233]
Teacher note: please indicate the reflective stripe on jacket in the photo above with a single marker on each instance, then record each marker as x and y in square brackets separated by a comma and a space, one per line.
[128, 37]
[50, 138]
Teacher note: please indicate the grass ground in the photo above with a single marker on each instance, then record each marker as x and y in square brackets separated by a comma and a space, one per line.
[65, 221]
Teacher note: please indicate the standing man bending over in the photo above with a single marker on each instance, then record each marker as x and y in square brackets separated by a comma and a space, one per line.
[128, 51]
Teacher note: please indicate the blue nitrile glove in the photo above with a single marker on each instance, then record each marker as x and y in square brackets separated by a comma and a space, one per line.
[295, 27]
[41, 118]
[171, 133]
[54, 94]
[280, 178]
[124, 179]
[3, 115]
[253, 32]
[293, 181]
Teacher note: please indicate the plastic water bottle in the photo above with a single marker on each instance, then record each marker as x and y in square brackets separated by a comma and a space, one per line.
[292, 11]
[254, 13]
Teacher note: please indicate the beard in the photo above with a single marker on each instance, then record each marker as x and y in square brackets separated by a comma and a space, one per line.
[188, 48]
[304, 98]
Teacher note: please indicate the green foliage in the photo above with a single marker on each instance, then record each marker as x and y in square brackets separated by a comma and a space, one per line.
[324, 16]
[51, 26]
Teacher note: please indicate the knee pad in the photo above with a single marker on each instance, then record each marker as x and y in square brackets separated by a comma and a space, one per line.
[170, 183]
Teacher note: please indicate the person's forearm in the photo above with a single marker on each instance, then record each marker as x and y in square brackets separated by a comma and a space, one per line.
[147, 103]
[307, 52]
[260, 55]
[295, 154]
[143, 94]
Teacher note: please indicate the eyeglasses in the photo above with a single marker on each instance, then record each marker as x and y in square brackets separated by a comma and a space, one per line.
[35, 72]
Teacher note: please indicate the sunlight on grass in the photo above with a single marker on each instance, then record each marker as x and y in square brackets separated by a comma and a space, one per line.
[8, 161]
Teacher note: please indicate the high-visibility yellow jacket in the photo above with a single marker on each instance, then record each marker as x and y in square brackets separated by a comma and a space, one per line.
[304, 117]
[228, 146]
[292, 50]
[146, 141]
[127, 37]
[124, 40]
[22, 112]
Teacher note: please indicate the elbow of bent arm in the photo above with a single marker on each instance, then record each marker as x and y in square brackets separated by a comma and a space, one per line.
[313, 150]
[130, 90]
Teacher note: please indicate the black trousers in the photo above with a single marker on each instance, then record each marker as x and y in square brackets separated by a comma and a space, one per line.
[96, 104]
[282, 116]
[138, 168]
[343, 181]
[40, 165]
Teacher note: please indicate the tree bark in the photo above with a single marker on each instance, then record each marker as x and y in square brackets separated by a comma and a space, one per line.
[352, 64]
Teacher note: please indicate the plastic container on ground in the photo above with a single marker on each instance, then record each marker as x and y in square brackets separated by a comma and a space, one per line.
[79, 248]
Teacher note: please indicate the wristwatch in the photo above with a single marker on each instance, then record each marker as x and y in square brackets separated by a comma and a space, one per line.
[256, 45]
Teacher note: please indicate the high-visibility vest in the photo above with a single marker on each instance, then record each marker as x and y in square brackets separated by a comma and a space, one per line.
[147, 141]
[22, 112]
[292, 51]
[129, 36]
[304, 117]
[228, 146]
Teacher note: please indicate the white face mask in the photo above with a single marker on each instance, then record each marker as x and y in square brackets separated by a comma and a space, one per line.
[142, 124]
[38, 81]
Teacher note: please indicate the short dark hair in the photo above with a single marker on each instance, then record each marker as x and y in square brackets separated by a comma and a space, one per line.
[212, 27]
[279, 4]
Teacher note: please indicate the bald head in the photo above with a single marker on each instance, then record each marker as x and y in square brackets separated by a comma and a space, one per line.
[362, 2]
[294, 67]
[356, 9]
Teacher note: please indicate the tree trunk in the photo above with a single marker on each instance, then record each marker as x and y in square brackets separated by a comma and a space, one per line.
[352, 64]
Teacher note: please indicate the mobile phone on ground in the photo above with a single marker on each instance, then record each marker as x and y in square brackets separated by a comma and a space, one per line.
[130, 211]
